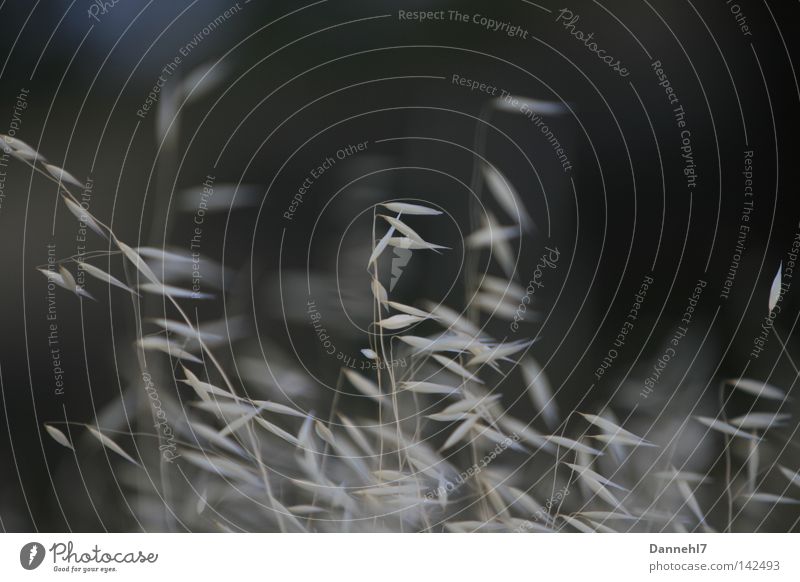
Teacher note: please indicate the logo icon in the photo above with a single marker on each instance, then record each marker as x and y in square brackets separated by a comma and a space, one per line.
[31, 555]
[400, 259]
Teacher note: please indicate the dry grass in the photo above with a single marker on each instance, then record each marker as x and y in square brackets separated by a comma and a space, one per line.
[260, 464]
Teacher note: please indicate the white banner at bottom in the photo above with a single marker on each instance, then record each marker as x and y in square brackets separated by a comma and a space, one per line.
[406, 557]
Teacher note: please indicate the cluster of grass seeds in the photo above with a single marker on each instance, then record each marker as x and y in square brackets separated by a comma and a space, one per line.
[441, 450]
